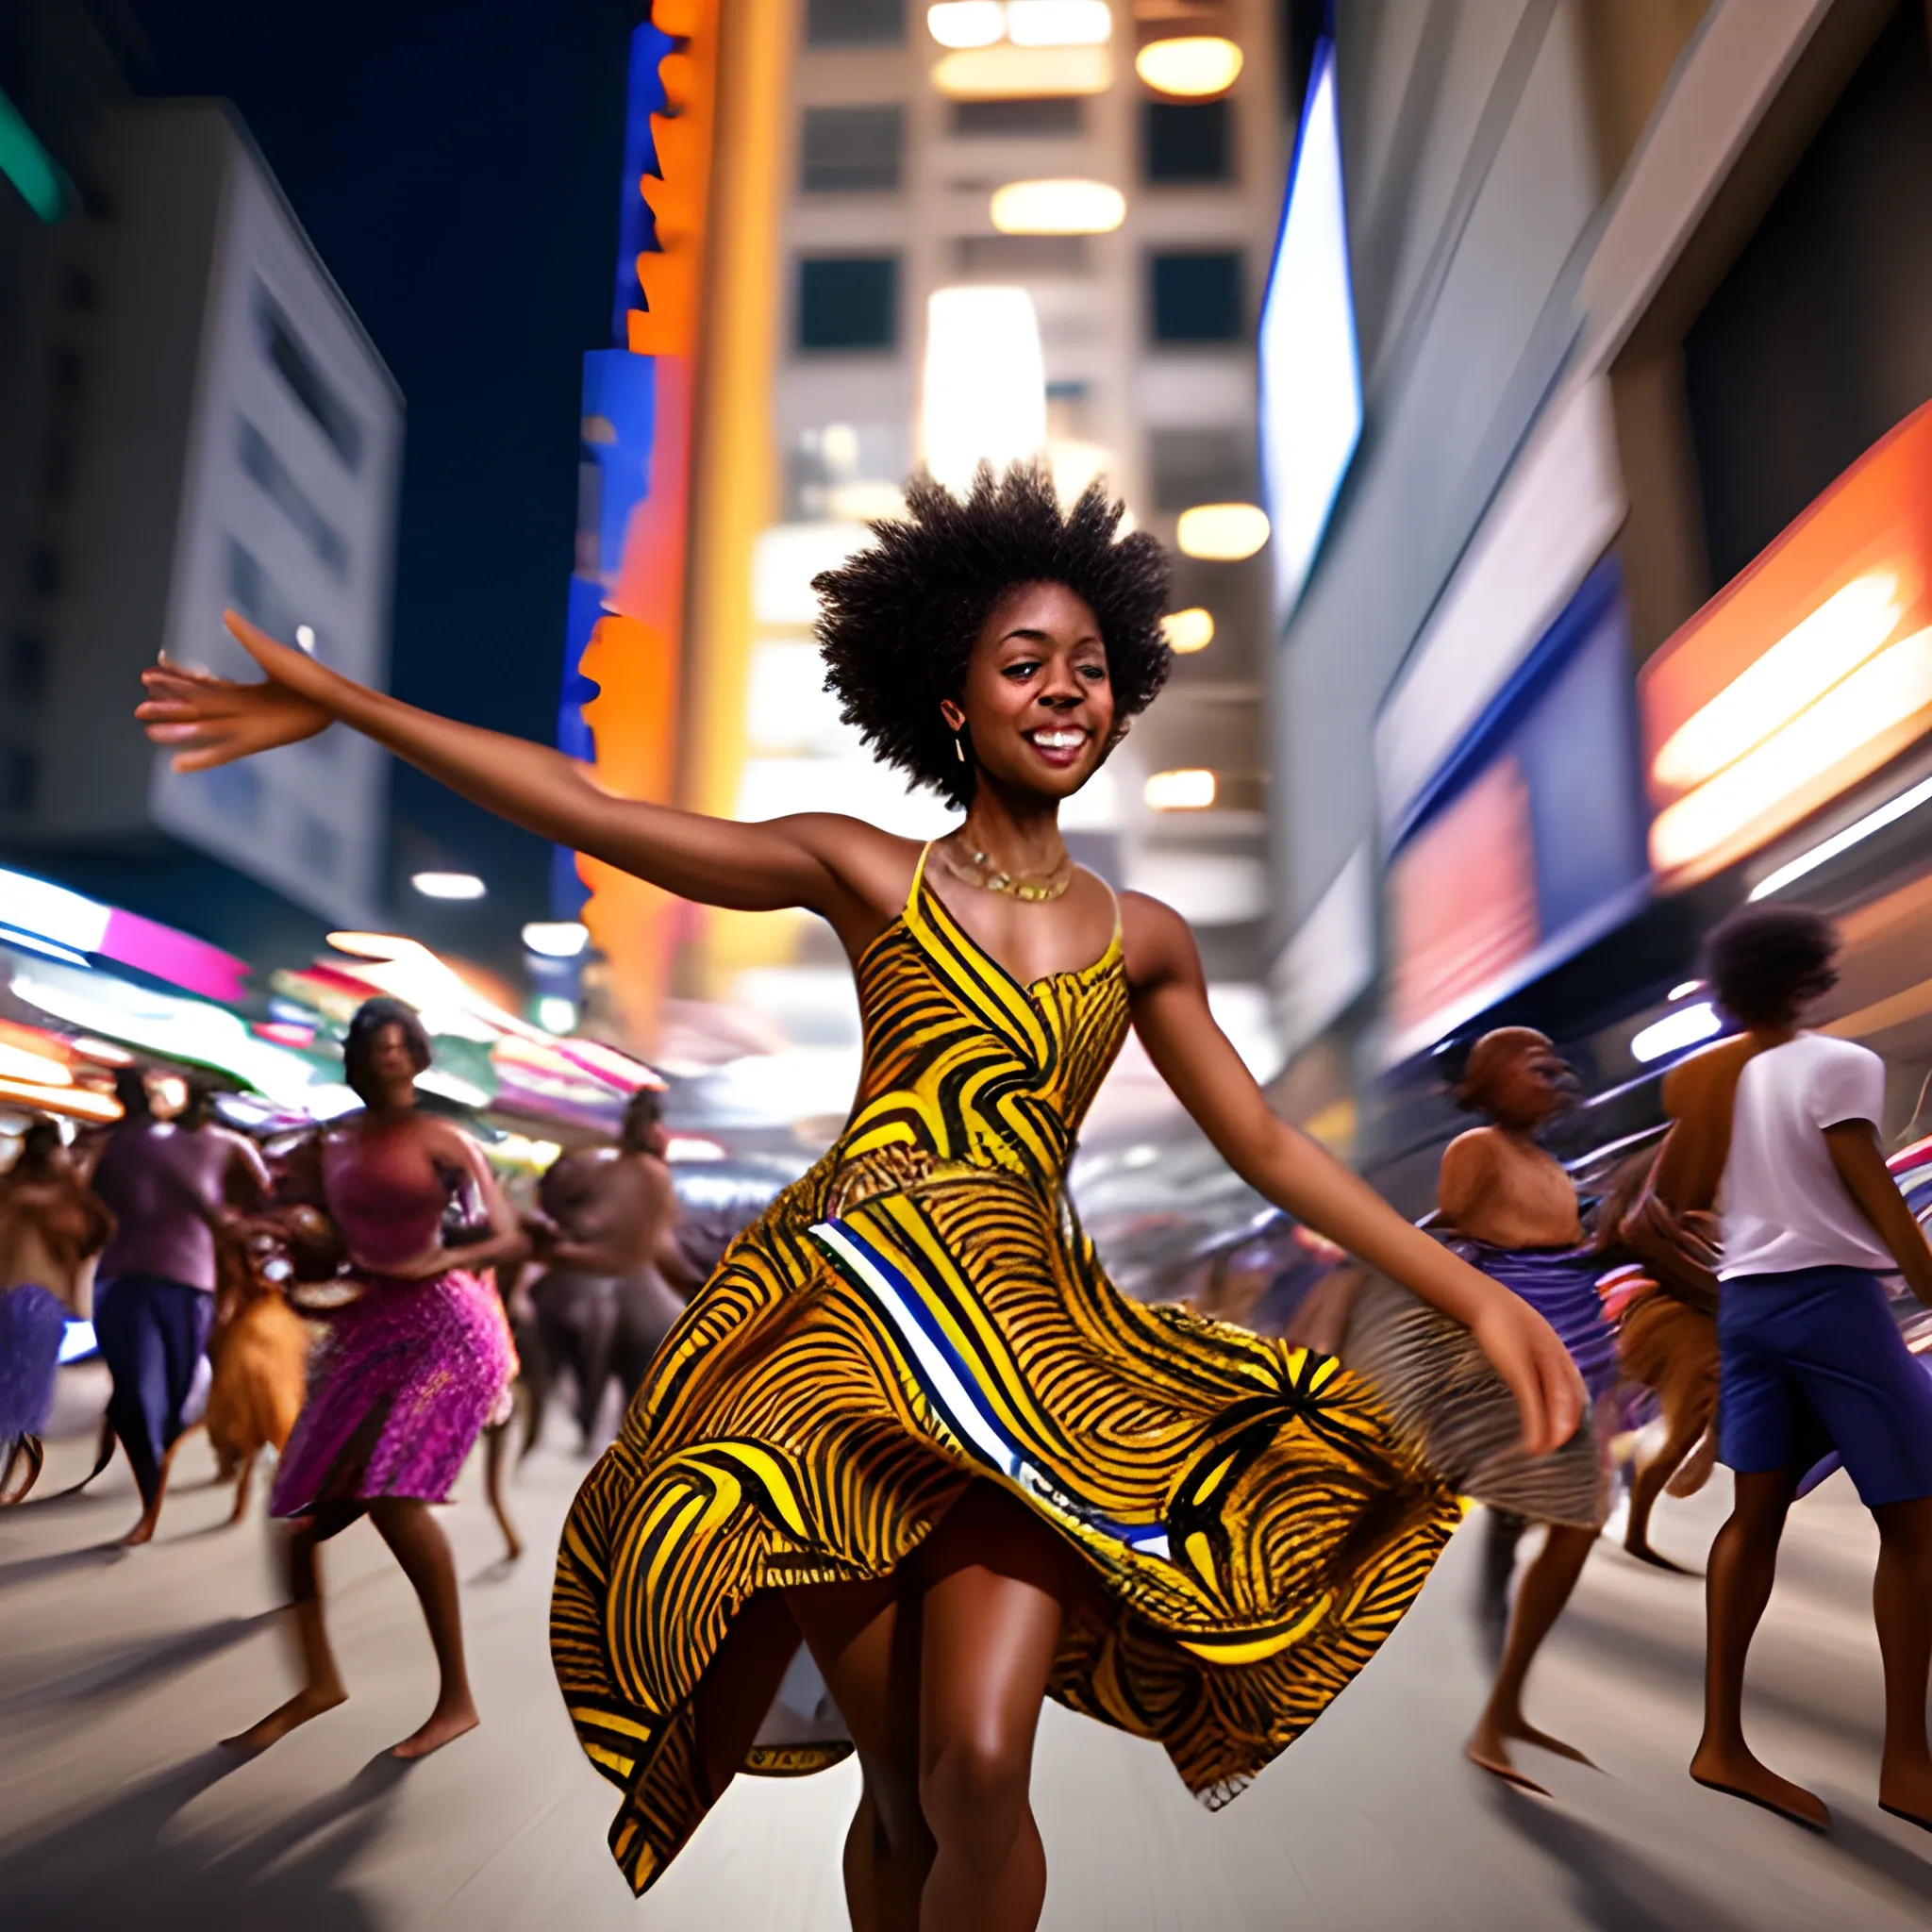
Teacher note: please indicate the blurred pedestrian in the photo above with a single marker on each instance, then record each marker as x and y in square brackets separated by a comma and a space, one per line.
[168, 1184]
[1812, 1359]
[1665, 1316]
[909, 1419]
[1512, 1210]
[606, 1235]
[411, 1371]
[52, 1225]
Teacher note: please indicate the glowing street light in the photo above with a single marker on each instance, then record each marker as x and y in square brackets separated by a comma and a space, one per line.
[448, 885]
[967, 23]
[557, 939]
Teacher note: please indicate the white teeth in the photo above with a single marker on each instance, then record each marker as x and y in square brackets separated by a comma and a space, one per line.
[1058, 741]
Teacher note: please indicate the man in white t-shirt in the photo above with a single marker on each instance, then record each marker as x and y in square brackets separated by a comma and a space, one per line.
[1812, 1359]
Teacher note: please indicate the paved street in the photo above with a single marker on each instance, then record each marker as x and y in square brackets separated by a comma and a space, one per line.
[120, 1668]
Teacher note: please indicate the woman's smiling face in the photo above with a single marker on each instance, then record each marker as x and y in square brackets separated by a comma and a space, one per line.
[1037, 702]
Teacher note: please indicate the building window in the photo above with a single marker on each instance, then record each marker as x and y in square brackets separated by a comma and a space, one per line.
[1195, 295]
[854, 23]
[316, 845]
[848, 302]
[232, 793]
[851, 150]
[305, 382]
[1023, 256]
[1194, 466]
[20, 778]
[257, 598]
[1184, 142]
[26, 667]
[1050, 117]
[269, 475]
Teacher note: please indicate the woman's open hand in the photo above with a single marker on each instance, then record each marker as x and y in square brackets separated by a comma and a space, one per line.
[1523, 1350]
[213, 721]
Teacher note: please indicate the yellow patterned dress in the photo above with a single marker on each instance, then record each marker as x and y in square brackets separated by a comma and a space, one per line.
[922, 1309]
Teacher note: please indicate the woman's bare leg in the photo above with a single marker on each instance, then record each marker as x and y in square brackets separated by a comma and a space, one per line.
[865, 1640]
[1902, 1602]
[321, 1683]
[423, 1550]
[496, 1454]
[1685, 1430]
[1743, 1563]
[244, 1482]
[996, 1582]
[1540, 1598]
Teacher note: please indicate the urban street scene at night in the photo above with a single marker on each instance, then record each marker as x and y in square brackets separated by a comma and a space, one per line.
[965, 966]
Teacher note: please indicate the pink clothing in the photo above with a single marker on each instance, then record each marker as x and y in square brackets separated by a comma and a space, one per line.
[386, 1192]
[398, 1392]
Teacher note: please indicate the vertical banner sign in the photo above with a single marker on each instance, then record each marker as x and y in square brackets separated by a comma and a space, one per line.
[627, 596]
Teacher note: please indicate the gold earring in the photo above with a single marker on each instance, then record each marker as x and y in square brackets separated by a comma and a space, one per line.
[958, 748]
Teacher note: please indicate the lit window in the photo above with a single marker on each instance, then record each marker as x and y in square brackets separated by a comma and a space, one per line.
[1182, 791]
[1222, 532]
[1189, 65]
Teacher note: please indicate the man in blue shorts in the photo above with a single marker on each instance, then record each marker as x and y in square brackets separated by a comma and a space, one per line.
[1811, 1358]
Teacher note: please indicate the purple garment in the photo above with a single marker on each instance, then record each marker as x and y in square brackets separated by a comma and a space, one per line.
[398, 1392]
[1561, 1285]
[32, 1320]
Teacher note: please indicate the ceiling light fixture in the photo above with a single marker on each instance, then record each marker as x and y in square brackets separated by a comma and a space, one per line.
[1181, 791]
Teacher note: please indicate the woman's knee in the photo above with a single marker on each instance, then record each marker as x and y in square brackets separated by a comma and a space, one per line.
[973, 1785]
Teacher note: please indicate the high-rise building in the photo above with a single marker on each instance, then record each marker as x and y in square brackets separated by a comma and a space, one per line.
[194, 420]
[1011, 229]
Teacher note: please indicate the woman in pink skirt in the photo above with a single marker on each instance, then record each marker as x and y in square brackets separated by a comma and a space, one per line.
[411, 1369]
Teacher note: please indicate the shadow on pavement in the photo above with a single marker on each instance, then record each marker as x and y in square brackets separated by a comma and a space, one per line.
[90, 1556]
[1876, 1849]
[129, 1669]
[1616, 1888]
[119, 1869]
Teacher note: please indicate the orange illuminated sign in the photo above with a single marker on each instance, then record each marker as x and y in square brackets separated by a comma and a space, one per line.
[1805, 674]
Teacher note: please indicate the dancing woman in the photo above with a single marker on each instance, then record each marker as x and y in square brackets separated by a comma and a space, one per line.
[908, 1419]
[51, 1225]
[410, 1371]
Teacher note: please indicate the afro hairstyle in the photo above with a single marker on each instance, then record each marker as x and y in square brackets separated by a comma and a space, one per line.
[898, 622]
[1765, 961]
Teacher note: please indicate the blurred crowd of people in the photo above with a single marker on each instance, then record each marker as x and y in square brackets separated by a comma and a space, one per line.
[363, 1299]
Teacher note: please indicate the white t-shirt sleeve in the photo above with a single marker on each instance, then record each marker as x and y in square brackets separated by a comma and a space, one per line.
[1848, 1085]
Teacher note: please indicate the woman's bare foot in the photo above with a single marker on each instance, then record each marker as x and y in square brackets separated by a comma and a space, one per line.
[305, 1703]
[443, 1725]
[1738, 1774]
[1489, 1749]
[144, 1530]
[1906, 1792]
[1644, 1554]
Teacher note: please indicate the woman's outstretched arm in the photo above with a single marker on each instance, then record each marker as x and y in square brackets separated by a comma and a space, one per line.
[1209, 1079]
[835, 866]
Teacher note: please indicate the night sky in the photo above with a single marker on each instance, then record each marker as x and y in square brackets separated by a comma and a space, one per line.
[456, 163]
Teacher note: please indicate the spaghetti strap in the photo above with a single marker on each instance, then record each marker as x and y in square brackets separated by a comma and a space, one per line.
[919, 873]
